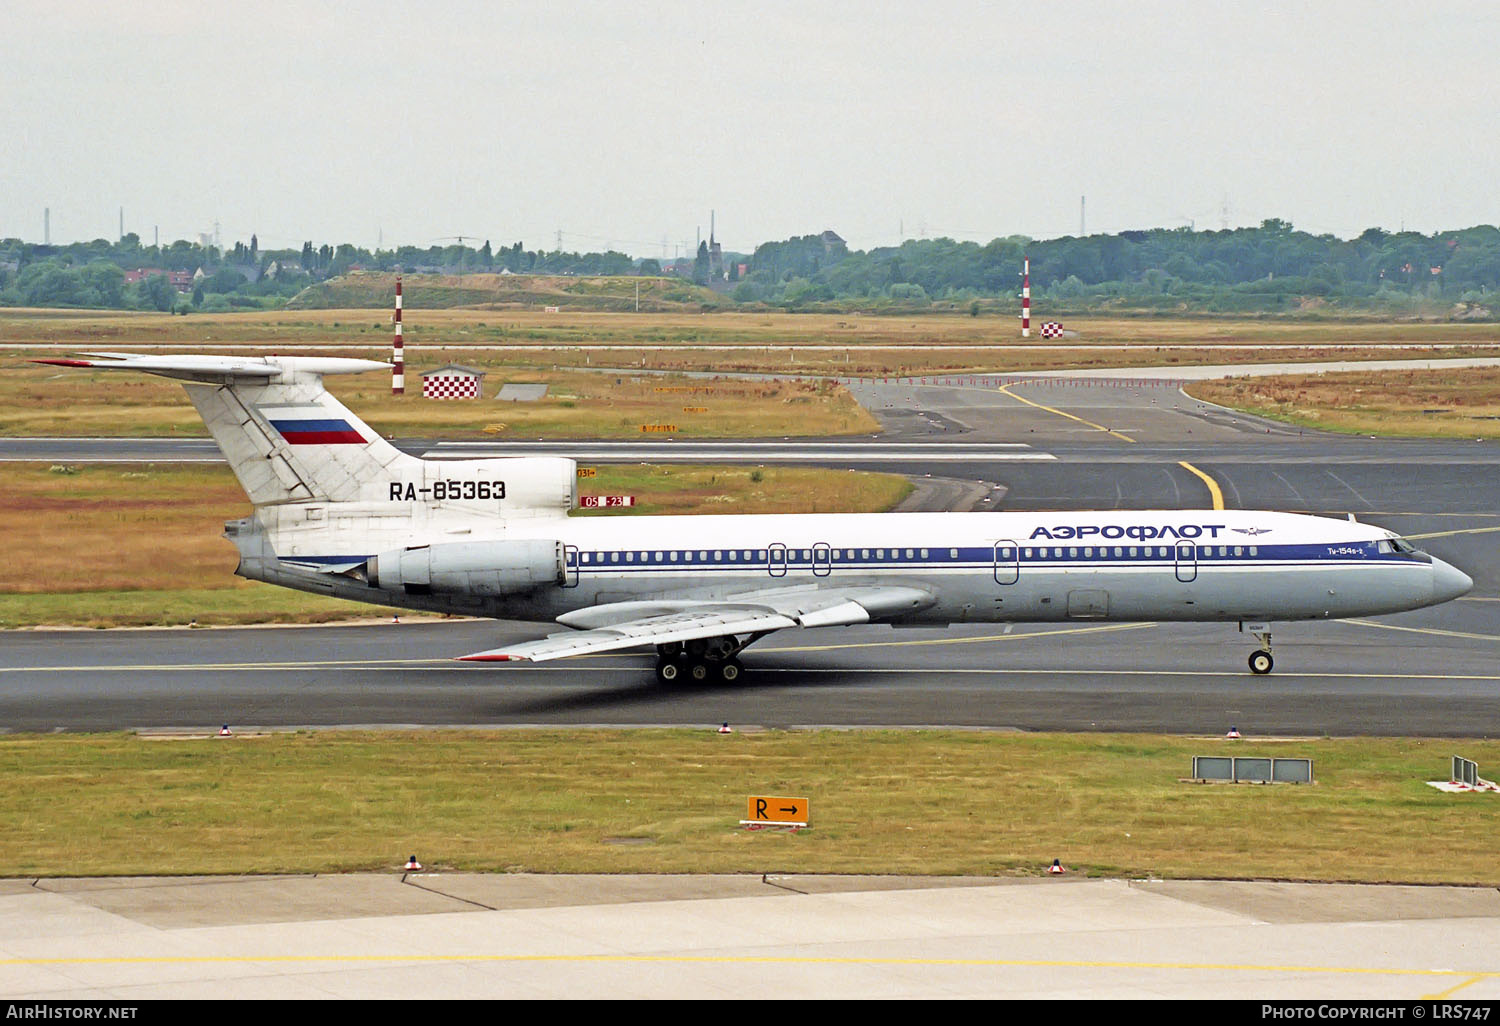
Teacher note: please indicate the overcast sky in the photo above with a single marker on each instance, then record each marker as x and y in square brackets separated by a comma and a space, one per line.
[625, 123]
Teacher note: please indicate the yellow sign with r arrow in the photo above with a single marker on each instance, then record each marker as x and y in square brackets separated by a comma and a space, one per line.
[765, 808]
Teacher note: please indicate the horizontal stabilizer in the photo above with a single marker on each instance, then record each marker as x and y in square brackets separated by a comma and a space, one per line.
[219, 369]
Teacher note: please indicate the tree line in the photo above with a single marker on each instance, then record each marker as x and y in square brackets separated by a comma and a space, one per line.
[1269, 268]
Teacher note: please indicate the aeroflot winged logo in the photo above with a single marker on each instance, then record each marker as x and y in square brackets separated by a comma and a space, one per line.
[311, 425]
[1135, 532]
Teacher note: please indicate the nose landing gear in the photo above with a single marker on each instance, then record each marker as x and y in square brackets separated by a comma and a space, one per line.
[1261, 661]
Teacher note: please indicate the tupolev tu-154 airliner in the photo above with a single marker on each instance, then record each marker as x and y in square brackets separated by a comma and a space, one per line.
[337, 510]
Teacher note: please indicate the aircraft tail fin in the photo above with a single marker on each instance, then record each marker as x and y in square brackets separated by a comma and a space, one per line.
[287, 439]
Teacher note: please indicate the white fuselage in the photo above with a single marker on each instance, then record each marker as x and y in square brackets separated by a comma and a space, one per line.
[1120, 565]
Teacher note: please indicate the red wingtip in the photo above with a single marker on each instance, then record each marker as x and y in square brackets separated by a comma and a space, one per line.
[65, 363]
[487, 658]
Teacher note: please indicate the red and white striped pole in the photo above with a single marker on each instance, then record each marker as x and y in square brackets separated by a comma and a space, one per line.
[1025, 298]
[398, 356]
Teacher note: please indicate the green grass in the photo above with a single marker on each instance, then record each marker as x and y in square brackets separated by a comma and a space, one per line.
[906, 802]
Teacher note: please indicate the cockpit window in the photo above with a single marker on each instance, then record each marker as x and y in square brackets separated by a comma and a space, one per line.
[1402, 546]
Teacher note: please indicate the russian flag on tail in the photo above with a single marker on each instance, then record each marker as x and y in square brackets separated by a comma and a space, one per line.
[311, 425]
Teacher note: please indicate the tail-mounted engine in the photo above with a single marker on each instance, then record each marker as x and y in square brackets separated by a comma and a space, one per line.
[476, 568]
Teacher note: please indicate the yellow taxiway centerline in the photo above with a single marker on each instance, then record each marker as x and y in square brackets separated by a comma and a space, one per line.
[1213, 486]
[1005, 390]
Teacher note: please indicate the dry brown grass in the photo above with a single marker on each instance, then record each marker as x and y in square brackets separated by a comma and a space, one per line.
[41, 400]
[1457, 403]
[114, 545]
[104, 528]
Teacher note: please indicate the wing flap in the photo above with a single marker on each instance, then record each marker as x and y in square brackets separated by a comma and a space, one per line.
[652, 630]
[664, 621]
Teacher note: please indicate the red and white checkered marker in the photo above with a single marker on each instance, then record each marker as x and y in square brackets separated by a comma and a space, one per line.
[1056, 868]
[450, 386]
[413, 864]
[1052, 329]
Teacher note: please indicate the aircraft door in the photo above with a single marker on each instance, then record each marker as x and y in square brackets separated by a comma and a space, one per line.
[776, 560]
[822, 560]
[1187, 561]
[1007, 562]
[570, 566]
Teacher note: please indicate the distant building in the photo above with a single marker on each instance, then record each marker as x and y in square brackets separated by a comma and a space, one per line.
[453, 381]
[715, 253]
[831, 241]
[182, 281]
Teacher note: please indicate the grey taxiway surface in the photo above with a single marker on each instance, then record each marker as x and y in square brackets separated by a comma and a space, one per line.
[1112, 444]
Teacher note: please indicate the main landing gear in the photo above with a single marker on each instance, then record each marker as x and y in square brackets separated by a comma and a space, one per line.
[706, 661]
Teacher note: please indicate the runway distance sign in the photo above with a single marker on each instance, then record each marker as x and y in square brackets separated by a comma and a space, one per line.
[776, 809]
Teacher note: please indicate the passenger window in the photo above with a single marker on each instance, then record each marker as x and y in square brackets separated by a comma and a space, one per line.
[1072, 552]
[718, 555]
[1088, 553]
[952, 553]
[1134, 551]
[924, 553]
[1118, 552]
[630, 557]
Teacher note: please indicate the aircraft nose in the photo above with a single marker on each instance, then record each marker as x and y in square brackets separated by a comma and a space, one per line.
[1449, 582]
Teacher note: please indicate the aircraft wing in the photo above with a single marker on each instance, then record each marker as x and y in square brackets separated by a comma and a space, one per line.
[618, 625]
